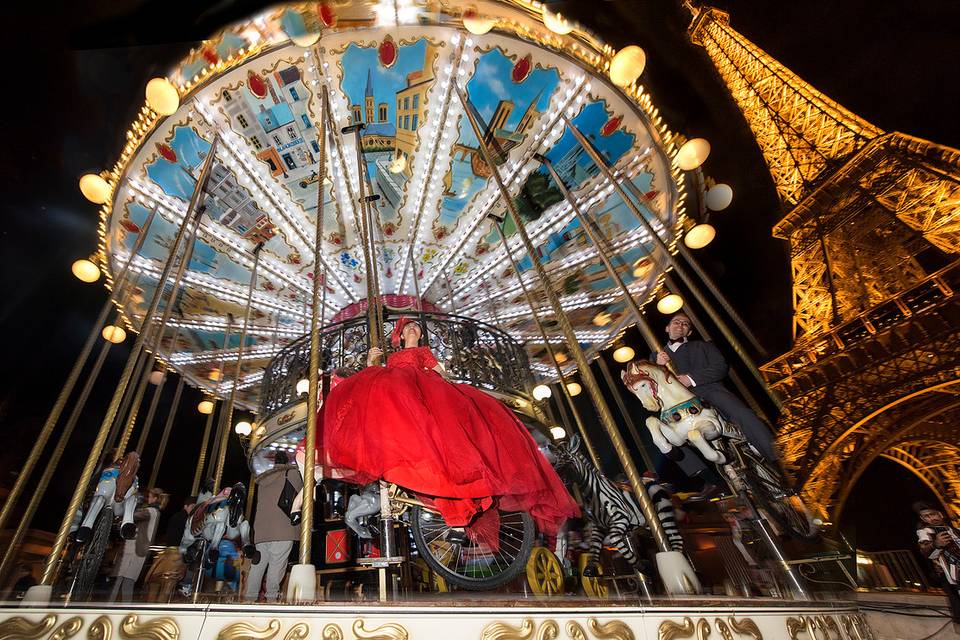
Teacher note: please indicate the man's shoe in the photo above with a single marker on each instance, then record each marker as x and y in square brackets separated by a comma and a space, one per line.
[709, 491]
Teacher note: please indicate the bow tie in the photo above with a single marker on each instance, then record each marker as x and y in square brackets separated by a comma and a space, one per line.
[680, 341]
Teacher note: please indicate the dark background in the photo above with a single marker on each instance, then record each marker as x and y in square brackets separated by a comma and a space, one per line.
[78, 72]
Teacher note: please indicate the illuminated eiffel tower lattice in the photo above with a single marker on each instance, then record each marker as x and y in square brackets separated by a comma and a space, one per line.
[873, 221]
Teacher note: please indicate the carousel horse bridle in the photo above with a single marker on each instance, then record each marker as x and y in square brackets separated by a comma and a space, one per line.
[676, 413]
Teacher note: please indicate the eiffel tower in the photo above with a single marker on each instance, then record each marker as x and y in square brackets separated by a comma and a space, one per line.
[873, 222]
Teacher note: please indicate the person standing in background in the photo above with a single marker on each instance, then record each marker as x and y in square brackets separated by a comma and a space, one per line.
[135, 551]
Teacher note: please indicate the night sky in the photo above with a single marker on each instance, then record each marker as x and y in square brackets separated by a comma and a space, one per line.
[79, 72]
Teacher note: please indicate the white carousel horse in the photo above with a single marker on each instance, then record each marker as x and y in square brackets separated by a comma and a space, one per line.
[679, 415]
[215, 519]
[118, 484]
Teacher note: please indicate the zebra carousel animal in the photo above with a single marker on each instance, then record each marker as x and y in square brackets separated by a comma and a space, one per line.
[613, 513]
[679, 418]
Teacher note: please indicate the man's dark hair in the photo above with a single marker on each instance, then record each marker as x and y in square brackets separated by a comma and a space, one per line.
[189, 500]
[923, 506]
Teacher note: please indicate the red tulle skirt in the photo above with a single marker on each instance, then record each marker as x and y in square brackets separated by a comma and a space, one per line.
[450, 442]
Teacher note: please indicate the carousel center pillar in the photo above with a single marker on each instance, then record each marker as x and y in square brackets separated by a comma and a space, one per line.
[302, 584]
[41, 593]
[669, 257]
[675, 571]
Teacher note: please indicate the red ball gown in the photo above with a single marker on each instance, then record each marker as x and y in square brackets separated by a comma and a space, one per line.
[404, 423]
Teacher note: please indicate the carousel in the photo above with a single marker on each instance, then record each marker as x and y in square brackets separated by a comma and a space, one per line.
[325, 188]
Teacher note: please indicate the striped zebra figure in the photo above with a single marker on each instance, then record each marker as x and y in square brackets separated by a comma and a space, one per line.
[612, 512]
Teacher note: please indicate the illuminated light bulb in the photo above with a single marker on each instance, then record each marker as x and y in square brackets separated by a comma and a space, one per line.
[700, 236]
[85, 270]
[574, 388]
[114, 334]
[556, 23]
[162, 96]
[627, 65]
[303, 386]
[243, 428]
[95, 189]
[693, 153]
[477, 24]
[719, 197]
[156, 377]
[205, 407]
[560, 357]
[669, 303]
[215, 375]
[558, 433]
[541, 392]
[624, 354]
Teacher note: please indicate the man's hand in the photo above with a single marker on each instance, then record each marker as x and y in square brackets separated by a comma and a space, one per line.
[685, 380]
[373, 355]
[662, 358]
[942, 540]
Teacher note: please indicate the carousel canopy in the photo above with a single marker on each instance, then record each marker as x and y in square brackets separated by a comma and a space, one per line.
[394, 66]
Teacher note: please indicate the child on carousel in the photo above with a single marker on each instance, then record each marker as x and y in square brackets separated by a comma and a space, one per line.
[462, 448]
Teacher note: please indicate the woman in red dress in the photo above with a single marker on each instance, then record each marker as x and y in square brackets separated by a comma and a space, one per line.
[404, 423]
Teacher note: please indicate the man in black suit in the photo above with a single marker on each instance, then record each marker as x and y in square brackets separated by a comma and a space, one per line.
[701, 368]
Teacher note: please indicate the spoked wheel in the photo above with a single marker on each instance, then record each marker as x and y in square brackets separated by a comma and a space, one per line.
[544, 573]
[595, 587]
[93, 552]
[766, 486]
[484, 556]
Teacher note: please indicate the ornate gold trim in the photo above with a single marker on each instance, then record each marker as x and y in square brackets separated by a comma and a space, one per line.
[746, 627]
[156, 629]
[389, 631]
[299, 631]
[668, 629]
[612, 630]
[100, 629]
[247, 631]
[504, 631]
[332, 632]
[68, 629]
[575, 631]
[549, 630]
[19, 628]
[795, 626]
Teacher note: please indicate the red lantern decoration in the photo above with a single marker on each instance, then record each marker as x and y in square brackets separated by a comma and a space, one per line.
[167, 152]
[522, 69]
[387, 52]
[257, 85]
[612, 125]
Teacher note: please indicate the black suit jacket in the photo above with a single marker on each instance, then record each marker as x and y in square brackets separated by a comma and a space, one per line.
[700, 360]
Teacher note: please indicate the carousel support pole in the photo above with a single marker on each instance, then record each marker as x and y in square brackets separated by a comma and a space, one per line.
[675, 571]
[250, 491]
[151, 414]
[41, 593]
[123, 415]
[166, 433]
[228, 409]
[141, 390]
[47, 429]
[52, 463]
[614, 386]
[588, 443]
[302, 584]
[671, 260]
[202, 458]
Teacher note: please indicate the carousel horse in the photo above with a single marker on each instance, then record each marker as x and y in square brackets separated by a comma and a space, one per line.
[679, 415]
[220, 517]
[611, 511]
[117, 485]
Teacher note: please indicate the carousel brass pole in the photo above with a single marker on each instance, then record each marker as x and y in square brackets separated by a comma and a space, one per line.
[671, 260]
[614, 386]
[41, 442]
[198, 474]
[166, 433]
[52, 463]
[135, 406]
[42, 592]
[606, 418]
[126, 409]
[151, 414]
[313, 374]
[553, 357]
[250, 491]
[228, 409]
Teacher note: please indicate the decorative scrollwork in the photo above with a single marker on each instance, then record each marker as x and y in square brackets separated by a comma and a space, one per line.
[830, 623]
[575, 631]
[668, 629]
[703, 629]
[795, 626]
[332, 632]
[19, 628]
[100, 629]
[612, 630]
[389, 631]
[746, 627]
[549, 630]
[156, 629]
[68, 629]
[504, 631]
[247, 631]
[723, 628]
[299, 631]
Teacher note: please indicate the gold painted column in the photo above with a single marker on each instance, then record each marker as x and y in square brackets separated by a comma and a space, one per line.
[43, 594]
[202, 458]
[606, 418]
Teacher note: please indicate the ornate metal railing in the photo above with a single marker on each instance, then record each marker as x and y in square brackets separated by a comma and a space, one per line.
[471, 351]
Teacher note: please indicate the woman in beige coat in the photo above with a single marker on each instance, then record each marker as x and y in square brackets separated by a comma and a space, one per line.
[135, 551]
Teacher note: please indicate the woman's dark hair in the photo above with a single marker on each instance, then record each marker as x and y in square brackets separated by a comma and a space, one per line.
[280, 458]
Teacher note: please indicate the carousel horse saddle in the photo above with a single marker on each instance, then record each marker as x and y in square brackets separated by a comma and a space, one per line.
[199, 514]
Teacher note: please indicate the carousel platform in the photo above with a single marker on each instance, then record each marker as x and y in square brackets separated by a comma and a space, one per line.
[482, 618]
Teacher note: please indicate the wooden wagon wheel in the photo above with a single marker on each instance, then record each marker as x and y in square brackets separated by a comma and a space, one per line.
[594, 587]
[544, 572]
